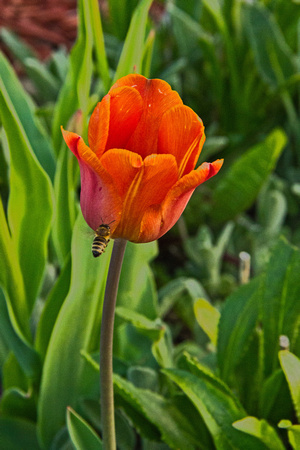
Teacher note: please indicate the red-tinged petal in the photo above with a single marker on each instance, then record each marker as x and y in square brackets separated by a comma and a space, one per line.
[99, 198]
[157, 221]
[157, 97]
[126, 107]
[122, 165]
[99, 126]
[179, 134]
[149, 187]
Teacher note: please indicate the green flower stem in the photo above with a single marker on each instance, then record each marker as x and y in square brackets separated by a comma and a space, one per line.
[106, 345]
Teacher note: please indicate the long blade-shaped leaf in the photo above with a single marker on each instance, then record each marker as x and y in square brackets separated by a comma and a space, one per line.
[272, 54]
[77, 328]
[280, 293]
[25, 110]
[239, 188]
[30, 201]
[132, 53]
[291, 367]
[82, 434]
[218, 408]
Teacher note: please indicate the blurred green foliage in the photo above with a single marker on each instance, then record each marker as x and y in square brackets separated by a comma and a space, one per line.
[200, 362]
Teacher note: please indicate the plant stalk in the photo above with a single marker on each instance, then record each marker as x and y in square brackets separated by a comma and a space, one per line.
[106, 345]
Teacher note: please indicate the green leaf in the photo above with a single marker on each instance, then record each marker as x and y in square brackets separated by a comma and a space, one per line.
[137, 286]
[237, 324]
[30, 201]
[12, 281]
[151, 328]
[17, 434]
[65, 188]
[77, 328]
[175, 290]
[291, 367]
[273, 56]
[16, 45]
[27, 357]
[45, 82]
[279, 293]
[18, 403]
[293, 433]
[159, 411]
[75, 92]
[262, 430]
[121, 12]
[208, 318]
[101, 59]
[82, 434]
[217, 406]
[26, 112]
[238, 189]
[132, 53]
[51, 309]
[274, 399]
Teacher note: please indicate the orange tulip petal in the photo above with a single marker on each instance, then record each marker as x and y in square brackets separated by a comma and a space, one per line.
[157, 97]
[157, 221]
[99, 126]
[122, 165]
[149, 187]
[179, 134]
[126, 107]
[81, 150]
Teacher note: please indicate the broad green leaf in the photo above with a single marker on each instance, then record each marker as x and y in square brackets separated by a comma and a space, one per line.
[82, 434]
[121, 12]
[30, 201]
[101, 59]
[279, 293]
[136, 293]
[26, 112]
[217, 406]
[208, 318]
[17, 434]
[214, 7]
[291, 367]
[151, 328]
[74, 94]
[148, 53]
[237, 323]
[51, 309]
[175, 290]
[239, 187]
[274, 398]
[65, 187]
[262, 430]
[273, 56]
[132, 53]
[77, 328]
[44, 81]
[16, 45]
[12, 281]
[159, 411]
[137, 286]
[143, 377]
[293, 433]
[27, 357]
[84, 79]
[18, 403]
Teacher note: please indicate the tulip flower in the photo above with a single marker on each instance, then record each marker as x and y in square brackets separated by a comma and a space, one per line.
[138, 171]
